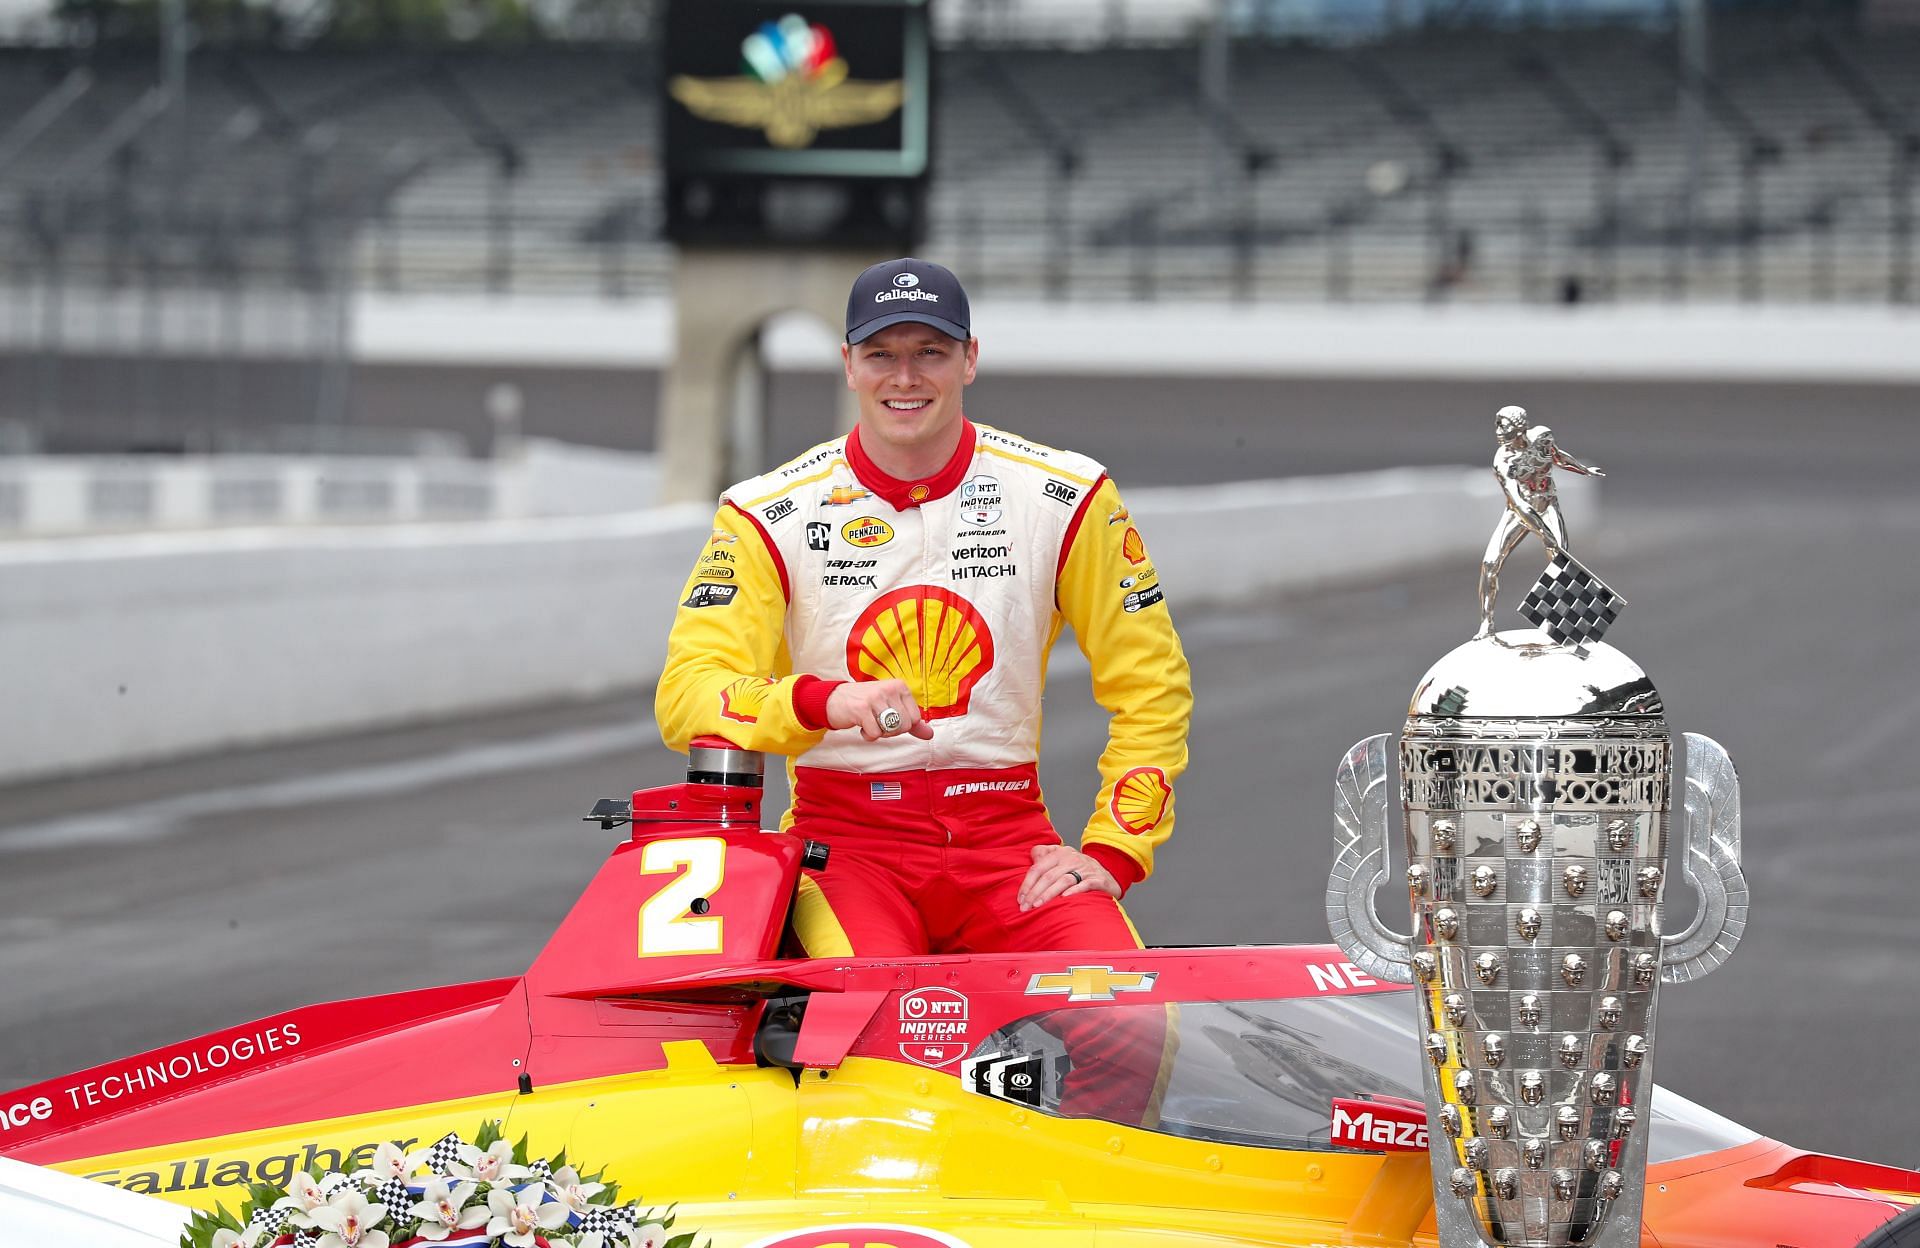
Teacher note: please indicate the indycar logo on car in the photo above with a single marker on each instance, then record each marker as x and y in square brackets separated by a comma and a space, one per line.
[933, 1026]
[1090, 983]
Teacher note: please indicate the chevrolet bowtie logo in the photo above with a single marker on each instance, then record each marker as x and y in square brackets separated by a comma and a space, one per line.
[1090, 983]
[844, 494]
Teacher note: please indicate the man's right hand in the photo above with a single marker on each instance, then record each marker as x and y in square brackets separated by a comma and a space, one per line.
[857, 704]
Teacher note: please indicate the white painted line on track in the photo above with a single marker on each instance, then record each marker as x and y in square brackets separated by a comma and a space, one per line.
[160, 819]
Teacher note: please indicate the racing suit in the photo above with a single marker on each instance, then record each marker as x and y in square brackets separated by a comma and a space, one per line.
[957, 584]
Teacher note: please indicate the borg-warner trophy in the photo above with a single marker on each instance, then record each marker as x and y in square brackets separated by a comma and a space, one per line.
[1535, 778]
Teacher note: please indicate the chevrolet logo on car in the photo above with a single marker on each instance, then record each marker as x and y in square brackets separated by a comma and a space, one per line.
[1090, 983]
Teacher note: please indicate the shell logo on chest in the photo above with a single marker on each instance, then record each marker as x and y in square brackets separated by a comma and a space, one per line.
[928, 636]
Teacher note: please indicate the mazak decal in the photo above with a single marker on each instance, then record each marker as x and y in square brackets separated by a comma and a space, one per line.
[1090, 983]
[861, 1235]
[1379, 1126]
[933, 1026]
[1016, 1078]
[867, 531]
[980, 502]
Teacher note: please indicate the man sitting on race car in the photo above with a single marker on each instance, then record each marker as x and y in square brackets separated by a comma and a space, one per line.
[880, 610]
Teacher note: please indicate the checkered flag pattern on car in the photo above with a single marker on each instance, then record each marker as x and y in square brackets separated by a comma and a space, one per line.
[611, 1220]
[445, 1151]
[1570, 604]
[392, 1192]
[269, 1221]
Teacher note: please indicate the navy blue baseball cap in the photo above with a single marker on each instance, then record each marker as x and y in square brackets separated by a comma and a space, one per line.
[898, 291]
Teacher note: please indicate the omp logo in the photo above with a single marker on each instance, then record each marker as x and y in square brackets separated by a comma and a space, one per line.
[905, 280]
[1060, 491]
[39, 1109]
[861, 1235]
[930, 637]
[1378, 1127]
[785, 507]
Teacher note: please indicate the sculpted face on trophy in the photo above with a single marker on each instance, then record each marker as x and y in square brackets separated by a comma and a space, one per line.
[1535, 778]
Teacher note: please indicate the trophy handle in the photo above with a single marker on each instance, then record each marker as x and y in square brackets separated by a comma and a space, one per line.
[1360, 816]
[1712, 863]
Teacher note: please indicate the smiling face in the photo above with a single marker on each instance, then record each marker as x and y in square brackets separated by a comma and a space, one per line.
[909, 378]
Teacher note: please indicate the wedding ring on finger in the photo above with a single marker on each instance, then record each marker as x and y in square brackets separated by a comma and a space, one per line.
[890, 720]
[1077, 879]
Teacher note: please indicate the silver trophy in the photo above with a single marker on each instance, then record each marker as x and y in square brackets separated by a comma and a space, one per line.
[1535, 779]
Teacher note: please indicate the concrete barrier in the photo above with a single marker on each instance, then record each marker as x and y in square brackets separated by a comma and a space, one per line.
[130, 649]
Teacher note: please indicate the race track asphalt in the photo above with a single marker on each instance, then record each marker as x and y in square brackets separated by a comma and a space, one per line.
[1764, 535]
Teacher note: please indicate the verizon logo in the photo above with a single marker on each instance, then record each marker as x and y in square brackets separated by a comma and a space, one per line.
[988, 786]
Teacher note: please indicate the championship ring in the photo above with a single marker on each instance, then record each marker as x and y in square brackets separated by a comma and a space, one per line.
[1535, 779]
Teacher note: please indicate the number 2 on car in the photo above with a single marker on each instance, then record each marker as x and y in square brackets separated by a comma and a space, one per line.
[666, 924]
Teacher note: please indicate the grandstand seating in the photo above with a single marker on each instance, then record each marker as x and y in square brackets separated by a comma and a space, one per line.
[1435, 164]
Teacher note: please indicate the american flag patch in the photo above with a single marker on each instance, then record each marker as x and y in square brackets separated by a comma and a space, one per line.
[884, 790]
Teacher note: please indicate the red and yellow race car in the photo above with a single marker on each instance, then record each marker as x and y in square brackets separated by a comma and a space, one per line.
[1217, 1096]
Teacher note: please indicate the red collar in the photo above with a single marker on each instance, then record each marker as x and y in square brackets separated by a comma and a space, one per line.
[905, 495]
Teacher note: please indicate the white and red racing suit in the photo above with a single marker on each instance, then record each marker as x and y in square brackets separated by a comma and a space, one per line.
[827, 570]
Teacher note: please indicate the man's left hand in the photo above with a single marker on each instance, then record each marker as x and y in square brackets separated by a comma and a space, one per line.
[1059, 871]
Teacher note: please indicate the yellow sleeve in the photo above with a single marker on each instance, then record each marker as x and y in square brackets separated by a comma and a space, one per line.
[1109, 592]
[727, 669]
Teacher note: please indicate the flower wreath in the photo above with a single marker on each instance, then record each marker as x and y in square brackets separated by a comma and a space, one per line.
[451, 1194]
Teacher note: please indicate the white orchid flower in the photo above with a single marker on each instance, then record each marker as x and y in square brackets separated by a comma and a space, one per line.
[517, 1215]
[228, 1238]
[651, 1235]
[349, 1222]
[390, 1161]
[574, 1194]
[592, 1239]
[442, 1210]
[493, 1166]
[302, 1198]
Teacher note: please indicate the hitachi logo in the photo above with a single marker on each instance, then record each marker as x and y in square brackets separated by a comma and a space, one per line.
[988, 786]
[1364, 1130]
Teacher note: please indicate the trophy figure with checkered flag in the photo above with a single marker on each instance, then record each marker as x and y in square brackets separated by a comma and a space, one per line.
[1568, 598]
[1535, 781]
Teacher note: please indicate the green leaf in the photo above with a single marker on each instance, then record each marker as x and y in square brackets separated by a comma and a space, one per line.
[680, 1241]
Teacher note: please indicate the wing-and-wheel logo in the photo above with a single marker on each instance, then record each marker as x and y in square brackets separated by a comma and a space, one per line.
[1140, 798]
[744, 699]
[796, 85]
[928, 636]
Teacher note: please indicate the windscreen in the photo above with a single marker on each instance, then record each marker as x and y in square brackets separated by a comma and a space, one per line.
[1258, 1073]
